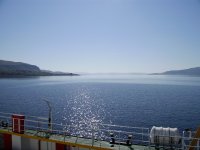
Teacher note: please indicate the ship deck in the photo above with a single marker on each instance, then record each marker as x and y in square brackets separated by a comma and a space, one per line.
[97, 137]
[74, 141]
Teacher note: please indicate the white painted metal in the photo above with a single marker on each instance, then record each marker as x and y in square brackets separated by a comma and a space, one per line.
[16, 142]
[162, 135]
[47, 146]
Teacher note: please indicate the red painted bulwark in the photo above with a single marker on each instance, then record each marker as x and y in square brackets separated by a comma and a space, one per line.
[60, 146]
[7, 141]
[18, 123]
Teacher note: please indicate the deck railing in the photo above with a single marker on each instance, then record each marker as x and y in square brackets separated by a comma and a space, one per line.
[114, 134]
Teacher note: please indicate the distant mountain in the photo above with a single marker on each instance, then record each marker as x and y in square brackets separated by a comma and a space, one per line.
[10, 68]
[191, 71]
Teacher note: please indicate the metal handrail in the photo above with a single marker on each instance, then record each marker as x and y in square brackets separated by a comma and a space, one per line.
[111, 125]
[96, 130]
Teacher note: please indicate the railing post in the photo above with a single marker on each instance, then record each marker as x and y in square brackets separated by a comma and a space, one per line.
[38, 125]
[119, 139]
[142, 135]
[149, 139]
[182, 141]
[92, 134]
[64, 135]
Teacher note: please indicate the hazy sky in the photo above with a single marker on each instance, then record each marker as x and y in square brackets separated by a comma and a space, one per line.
[101, 35]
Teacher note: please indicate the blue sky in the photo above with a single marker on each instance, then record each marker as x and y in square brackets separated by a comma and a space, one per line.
[101, 35]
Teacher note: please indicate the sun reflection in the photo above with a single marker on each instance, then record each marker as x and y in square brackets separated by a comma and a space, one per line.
[83, 112]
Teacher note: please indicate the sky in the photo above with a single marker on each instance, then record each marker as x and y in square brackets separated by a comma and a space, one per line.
[101, 36]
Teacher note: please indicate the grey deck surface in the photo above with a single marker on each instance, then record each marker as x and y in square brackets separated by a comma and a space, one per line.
[82, 141]
[96, 143]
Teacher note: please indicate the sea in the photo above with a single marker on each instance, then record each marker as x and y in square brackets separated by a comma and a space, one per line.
[126, 100]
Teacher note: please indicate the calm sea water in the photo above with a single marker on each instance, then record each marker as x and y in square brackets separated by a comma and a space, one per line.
[131, 100]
